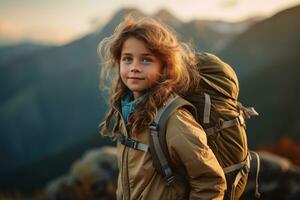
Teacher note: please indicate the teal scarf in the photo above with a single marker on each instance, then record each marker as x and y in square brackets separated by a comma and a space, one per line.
[129, 104]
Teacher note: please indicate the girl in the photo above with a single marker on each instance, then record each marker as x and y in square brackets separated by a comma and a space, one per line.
[150, 65]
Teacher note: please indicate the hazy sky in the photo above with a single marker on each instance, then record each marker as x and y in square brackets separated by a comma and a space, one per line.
[60, 21]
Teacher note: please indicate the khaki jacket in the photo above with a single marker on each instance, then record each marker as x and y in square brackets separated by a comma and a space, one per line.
[190, 154]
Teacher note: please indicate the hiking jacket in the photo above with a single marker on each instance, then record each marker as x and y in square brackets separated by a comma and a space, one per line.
[190, 155]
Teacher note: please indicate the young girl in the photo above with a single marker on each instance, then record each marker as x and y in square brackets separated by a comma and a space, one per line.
[150, 65]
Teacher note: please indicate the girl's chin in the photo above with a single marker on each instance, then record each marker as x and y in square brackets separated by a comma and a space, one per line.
[138, 93]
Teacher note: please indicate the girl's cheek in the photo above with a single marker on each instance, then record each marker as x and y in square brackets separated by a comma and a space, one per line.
[154, 78]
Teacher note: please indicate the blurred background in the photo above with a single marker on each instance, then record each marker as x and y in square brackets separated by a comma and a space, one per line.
[50, 104]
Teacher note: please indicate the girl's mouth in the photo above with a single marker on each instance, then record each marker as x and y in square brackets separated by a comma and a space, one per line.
[135, 78]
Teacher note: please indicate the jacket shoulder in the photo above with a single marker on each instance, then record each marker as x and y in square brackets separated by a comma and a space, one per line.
[182, 123]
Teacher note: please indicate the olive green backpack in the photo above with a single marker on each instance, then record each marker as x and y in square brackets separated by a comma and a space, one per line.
[215, 106]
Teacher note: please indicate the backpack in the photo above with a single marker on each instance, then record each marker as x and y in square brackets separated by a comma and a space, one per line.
[215, 106]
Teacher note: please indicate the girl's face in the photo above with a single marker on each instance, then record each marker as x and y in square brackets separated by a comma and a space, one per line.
[139, 68]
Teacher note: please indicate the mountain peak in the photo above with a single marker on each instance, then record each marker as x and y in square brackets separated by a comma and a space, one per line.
[130, 10]
[165, 14]
[118, 17]
[125, 11]
[167, 17]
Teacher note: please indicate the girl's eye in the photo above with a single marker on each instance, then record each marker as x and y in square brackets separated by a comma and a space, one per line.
[147, 60]
[127, 59]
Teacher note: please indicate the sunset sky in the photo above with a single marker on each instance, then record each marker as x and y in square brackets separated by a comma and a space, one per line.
[61, 21]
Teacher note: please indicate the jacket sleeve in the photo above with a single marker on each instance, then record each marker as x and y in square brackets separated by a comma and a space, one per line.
[187, 144]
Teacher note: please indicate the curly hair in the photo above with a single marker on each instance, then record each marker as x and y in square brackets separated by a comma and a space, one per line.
[178, 61]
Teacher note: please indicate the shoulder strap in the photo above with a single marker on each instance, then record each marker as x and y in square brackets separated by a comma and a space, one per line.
[158, 144]
[254, 172]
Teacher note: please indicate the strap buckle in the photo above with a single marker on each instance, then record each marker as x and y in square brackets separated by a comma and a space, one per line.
[127, 141]
[246, 168]
[131, 143]
[153, 127]
[170, 179]
[241, 119]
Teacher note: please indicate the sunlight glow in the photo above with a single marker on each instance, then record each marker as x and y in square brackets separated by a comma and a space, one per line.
[62, 21]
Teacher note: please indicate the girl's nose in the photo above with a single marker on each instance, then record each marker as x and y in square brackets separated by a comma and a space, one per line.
[135, 67]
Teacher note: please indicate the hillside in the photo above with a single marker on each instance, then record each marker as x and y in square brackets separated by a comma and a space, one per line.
[274, 91]
[49, 100]
[266, 59]
[268, 41]
[13, 52]
[205, 35]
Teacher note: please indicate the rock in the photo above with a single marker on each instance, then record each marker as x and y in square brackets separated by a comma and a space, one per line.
[92, 177]
[278, 179]
[95, 177]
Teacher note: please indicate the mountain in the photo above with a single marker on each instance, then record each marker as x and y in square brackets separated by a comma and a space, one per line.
[214, 36]
[266, 59]
[12, 52]
[116, 19]
[205, 35]
[168, 18]
[274, 91]
[49, 99]
[269, 41]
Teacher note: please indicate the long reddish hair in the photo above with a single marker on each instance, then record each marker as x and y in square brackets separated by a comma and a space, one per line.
[178, 60]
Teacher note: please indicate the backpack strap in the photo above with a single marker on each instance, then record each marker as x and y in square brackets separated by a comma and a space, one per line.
[225, 124]
[244, 113]
[207, 107]
[243, 167]
[132, 143]
[238, 166]
[251, 166]
[158, 144]
[254, 171]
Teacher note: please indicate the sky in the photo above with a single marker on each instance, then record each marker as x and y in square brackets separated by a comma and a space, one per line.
[61, 21]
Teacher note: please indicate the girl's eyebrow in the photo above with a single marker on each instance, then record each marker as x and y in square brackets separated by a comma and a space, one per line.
[143, 54]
